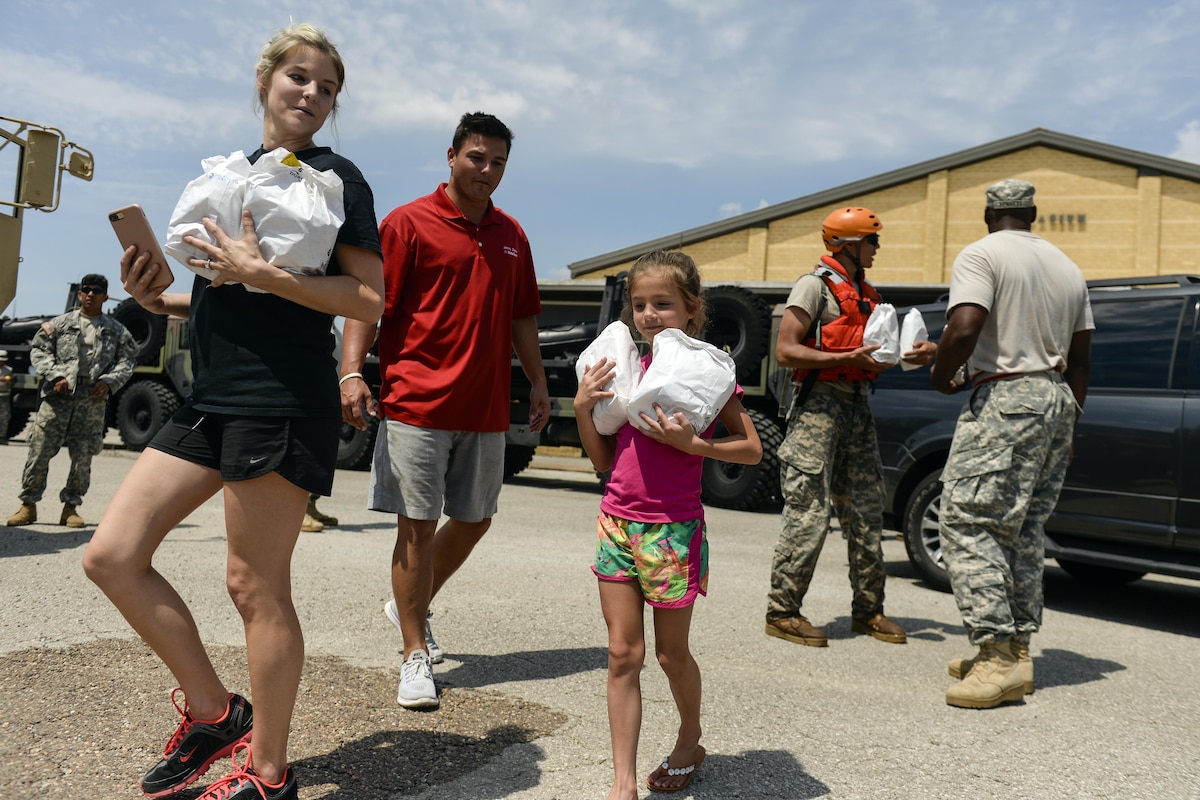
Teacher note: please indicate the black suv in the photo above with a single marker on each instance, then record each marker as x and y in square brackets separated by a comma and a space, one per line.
[1131, 501]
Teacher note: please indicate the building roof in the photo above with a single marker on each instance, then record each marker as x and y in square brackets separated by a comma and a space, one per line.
[1145, 163]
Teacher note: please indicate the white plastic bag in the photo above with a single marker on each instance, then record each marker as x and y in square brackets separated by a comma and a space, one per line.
[297, 211]
[685, 375]
[216, 194]
[912, 331]
[616, 344]
[883, 329]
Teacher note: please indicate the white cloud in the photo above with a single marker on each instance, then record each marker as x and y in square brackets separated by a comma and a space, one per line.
[726, 98]
[1188, 142]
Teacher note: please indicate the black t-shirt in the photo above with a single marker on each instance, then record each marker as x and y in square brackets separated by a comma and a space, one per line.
[257, 354]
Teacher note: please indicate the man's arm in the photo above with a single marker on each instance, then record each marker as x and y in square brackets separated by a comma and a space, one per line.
[1079, 365]
[357, 338]
[791, 352]
[529, 353]
[122, 368]
[43, 354]
[956, 345]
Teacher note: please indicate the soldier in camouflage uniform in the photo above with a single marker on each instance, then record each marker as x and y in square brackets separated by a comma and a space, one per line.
[830, 456]
[6, 385]
[83, 357]
[1020, 324]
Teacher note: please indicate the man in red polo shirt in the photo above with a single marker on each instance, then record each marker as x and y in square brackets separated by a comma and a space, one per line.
[461, 297]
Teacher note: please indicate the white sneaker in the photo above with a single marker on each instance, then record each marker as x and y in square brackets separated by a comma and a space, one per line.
[436, 656]
[416, 682]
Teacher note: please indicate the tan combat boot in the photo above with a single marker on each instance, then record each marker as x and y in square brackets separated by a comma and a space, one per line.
[70, 517]
[318, 515]
[959, 667]
[310, 525]
[799, 630]
[25, 515]
[993, 679]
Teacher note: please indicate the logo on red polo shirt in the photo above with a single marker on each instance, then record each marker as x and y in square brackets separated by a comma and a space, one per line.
[509, 250]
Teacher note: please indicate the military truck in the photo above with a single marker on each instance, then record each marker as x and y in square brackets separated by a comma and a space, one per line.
[161, 380]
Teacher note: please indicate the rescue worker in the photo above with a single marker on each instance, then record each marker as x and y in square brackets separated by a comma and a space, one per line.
[83, 357]
[830, 456]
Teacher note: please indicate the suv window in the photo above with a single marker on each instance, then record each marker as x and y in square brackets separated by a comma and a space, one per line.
[1134, 342]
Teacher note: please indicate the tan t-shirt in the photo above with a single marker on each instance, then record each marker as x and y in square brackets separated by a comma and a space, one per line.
[806, 296]
[1036, 299]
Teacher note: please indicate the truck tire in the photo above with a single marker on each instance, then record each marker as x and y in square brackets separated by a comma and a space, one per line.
[149, 330]
[739, 322]
[922, 539]
[355, 447]
[516, 458]
[144, 407]
[743, 487]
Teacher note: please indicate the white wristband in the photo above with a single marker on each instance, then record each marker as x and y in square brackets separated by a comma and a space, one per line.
[348, 376]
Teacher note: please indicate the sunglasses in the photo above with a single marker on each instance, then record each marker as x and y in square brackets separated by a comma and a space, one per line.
[872, 239]
[90, 290]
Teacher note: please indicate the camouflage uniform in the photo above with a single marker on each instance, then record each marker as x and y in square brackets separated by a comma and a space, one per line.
[1001, 481]
[6, 383]
[830, 457]
[75, 418]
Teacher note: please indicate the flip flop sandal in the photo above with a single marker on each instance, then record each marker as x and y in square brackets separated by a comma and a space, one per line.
[667, 769]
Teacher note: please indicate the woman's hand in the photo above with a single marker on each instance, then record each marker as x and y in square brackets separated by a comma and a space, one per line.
[233, 259]
[137, 277]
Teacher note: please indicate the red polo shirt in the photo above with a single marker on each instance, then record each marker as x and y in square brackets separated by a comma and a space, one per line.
[453, 290]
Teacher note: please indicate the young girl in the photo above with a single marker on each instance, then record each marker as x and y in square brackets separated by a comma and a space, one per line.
[652, 547]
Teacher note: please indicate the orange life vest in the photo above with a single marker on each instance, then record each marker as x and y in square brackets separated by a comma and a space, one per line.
[846, 332]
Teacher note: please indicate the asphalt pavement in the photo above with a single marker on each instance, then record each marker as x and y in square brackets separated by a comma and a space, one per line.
[1114, 715]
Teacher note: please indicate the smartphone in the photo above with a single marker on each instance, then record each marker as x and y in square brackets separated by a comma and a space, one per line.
[133, 230]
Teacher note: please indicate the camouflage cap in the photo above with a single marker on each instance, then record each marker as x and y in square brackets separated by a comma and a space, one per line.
[1010, 193]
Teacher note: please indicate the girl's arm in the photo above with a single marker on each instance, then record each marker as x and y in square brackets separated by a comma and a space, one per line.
[740, 446]
[600, 448]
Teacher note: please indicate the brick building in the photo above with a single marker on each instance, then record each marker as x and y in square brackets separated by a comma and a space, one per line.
[1116, 212]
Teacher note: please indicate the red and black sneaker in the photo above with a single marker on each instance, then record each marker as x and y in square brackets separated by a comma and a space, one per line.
[245, 784]
[196, 744]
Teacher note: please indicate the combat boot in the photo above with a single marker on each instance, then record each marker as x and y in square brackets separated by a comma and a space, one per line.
[70, 517]
[993, 679]
[799, 630]
[318, 515]
[310, 525]
[25, 515]
[959, 667]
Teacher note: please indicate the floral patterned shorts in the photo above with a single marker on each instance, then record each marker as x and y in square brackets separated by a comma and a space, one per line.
[668, 560]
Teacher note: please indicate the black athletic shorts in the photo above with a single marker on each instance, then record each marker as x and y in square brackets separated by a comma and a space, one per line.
[301, 449]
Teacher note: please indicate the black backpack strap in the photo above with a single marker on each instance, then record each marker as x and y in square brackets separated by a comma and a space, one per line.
[814, 331]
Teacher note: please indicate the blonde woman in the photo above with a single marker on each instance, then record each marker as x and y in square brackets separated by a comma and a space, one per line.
[261, 427]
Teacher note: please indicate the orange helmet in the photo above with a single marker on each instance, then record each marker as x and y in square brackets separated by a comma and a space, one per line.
[848, 225]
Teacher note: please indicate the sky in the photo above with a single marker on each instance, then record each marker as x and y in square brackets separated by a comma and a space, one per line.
[634, 119]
